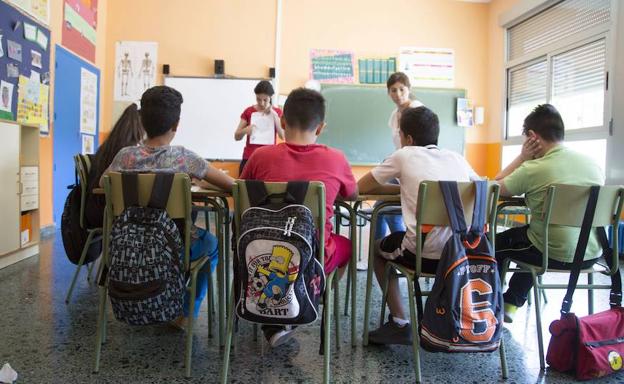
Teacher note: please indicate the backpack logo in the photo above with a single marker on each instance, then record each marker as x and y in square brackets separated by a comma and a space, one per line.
[615, 360]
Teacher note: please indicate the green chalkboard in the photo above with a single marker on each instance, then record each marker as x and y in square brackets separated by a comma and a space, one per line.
[357, 120]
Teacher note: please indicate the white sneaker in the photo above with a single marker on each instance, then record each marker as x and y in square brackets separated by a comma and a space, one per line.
[281, 337]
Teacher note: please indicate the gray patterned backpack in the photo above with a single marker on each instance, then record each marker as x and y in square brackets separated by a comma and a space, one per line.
[277, 278]
[146, 282]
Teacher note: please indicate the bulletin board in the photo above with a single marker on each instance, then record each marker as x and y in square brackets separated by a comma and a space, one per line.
[14, 27]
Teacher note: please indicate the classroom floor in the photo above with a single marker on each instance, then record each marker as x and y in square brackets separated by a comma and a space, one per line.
[47, 341]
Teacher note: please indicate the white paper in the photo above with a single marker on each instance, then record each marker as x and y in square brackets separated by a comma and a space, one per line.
[6, 96]
[36, 59]
[1, 44]
[42, 40]
[464, 113]
[87, 145]
[135, 69]
[88, 101]
[30, 32]
[263, 132]
[33, 87]
[7, 374]
[428, 67]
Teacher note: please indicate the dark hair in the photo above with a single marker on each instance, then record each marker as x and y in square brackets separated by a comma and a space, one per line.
[304, 109]
[422, 124]
[398, 77]
[126, 132]
[264, 87]
[160, 110]
[546, 121]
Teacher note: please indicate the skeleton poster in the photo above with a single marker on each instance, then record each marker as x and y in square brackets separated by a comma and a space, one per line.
[135, 69]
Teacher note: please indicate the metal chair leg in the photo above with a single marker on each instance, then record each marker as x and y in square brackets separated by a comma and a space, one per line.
[384, 293]
[210, 302]
[99, 337]
[228, 343]
[337, 309]
[503, 357]
[538, 323]
[327, 329]
[347, 290]
[414, 325]
[83, 255]
[188, 354]
[590, 293]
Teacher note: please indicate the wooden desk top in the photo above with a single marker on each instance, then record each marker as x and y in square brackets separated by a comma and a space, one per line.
[195, 192]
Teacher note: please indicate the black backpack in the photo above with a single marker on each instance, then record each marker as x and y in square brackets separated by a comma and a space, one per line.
[463, 313]
[277, 278]
[74, 236]
[146, 281]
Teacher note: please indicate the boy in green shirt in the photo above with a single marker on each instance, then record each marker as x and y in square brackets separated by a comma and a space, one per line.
[544, 160]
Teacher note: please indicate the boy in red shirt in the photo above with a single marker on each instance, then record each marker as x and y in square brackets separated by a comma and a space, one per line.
[300, 158]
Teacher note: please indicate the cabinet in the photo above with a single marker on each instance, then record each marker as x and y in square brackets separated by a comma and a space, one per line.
[19, 193]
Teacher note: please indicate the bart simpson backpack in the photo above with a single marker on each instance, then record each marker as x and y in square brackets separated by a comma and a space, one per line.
[277, 278]
[464, 310]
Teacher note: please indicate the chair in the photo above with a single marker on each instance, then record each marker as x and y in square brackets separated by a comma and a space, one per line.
[83, 167]
[431, 210]
[178, 207]
[565, 206]
[315, 201]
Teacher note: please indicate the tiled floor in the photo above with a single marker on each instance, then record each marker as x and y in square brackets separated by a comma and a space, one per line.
[47, 341]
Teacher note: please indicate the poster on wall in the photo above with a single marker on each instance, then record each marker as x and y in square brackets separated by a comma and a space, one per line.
[464, 113]
[88, 101]
[87, 145]
[428, 67]
[332, 66]
[135, 69]
[80, 27]
[6, 100]
[39, 9]
[32, 103]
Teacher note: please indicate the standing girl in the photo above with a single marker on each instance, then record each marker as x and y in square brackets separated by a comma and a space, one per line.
[264, 108]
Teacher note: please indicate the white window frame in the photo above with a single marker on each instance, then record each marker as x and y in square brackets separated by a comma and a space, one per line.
[606, 31]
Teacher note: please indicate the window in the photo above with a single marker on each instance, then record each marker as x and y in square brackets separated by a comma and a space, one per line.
[560, 56]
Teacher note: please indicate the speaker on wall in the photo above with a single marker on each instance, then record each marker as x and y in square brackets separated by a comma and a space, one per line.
[272, 73]
[219, 67]
[165, 69]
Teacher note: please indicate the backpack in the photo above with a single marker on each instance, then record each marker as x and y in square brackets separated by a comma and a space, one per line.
[277, 278]
[463, 313]
[146, 281]
[75, 236]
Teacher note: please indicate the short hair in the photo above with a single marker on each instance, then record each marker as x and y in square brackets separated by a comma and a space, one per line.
[398, 77]
[160, 110]
[422, 124]
[264, 87]
[546, 121]
[304, 109]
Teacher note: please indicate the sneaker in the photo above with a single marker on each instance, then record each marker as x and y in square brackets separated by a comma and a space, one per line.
[277, 336]
[391, 333]
[510, 312]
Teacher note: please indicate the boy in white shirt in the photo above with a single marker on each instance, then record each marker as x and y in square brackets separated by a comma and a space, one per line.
[419, 159]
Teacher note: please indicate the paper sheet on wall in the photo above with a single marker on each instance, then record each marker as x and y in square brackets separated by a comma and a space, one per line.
[88, 101]
[263, 132]
[6, 100]
[135, 69]
[40, 9]
[428, 67]
[32, 103]
[87, 145]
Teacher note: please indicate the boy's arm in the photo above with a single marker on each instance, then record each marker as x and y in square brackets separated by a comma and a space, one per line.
[218, 178]
[530, 150]
[367, 185]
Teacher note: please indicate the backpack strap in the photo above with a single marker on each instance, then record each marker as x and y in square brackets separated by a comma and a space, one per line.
[615, 299]
[581, 247]
[478, 216]
[256, 192]
[130, 189]
[161, 190]
[454, 207]
[296, 192]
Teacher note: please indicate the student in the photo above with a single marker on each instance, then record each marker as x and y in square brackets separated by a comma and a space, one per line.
[419, 159]
[300, 158]
[127, 132]
[399, 86]
[264, 91]
[160, 115]
[544, 160]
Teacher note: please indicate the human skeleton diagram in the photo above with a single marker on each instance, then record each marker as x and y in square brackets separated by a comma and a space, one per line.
[147, 71]
[124, 70]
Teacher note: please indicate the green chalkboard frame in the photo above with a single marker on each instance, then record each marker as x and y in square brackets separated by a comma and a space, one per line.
[357, 120]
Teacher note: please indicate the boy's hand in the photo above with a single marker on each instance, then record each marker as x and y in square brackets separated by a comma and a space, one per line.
[531, 148]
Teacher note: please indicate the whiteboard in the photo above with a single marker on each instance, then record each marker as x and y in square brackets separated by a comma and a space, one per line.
[210, 114]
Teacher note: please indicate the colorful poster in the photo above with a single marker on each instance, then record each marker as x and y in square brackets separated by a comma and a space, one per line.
[32, 108]
[6, 100]
[464, 113]
[428, 67]
[88, 101]
[332, 66]
[39, 9]
[87, 145]
[15, 50]
[80, 27]
[135, 69]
